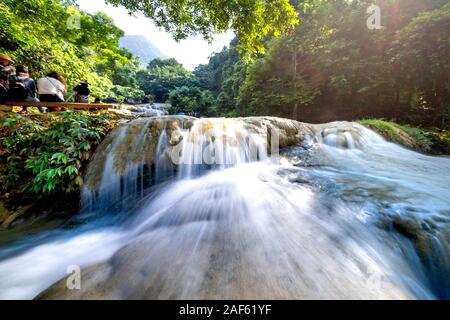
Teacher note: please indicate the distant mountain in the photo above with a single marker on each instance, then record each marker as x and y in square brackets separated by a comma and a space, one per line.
[142, 47]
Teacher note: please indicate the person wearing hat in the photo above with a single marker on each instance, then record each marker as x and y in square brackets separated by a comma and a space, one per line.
[5, 60]
[6, 67]
[82, 92]
[6, 72]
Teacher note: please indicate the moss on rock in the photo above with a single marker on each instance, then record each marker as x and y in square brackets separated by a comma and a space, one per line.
[418, 139]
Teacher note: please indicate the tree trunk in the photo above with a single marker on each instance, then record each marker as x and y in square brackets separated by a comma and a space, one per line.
[295, 110]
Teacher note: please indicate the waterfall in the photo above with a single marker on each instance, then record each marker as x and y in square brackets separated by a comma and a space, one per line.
[218, 144]
[211, 209]
[153, 150]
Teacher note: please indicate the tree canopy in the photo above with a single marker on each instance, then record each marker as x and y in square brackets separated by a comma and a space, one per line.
[251, 20]
[161, 76]
[35, 33]
[332, 67]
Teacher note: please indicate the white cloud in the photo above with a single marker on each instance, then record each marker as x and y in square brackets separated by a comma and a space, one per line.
[189, 52]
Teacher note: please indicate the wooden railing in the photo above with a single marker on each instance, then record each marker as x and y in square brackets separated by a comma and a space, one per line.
[8, 106]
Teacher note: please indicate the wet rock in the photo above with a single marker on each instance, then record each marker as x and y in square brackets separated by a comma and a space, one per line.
[290, 132]
[89, 290]
[409, 227]
[133, 142]
[432, 246]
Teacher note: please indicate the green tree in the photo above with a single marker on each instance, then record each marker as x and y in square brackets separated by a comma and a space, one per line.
[252, 20]
[422, 53]
[332, 67]
[191, 100]
[35, 33]
[162, 76]
[224, 76]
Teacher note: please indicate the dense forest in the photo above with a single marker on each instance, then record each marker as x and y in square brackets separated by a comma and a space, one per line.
[329, 66]
[332, 67]
[228, 197]
[56, 36]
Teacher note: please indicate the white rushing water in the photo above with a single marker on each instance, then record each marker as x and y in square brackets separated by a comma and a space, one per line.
[150, 109]
[340, 216]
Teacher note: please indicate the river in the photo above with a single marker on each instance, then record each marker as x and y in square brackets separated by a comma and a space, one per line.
[184, 208]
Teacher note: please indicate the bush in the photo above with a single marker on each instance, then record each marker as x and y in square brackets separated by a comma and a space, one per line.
[127, 93]
[425, 140]
[46, 155]
[191, 100]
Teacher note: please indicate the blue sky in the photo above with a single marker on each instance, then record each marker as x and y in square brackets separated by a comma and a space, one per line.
[189, 52]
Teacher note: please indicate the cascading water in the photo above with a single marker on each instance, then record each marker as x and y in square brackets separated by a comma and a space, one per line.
[149, 110]
[179, 207]
[212, 144]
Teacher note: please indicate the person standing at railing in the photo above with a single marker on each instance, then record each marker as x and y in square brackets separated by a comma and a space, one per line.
[52, 88]
[4, 94]
[82, 92]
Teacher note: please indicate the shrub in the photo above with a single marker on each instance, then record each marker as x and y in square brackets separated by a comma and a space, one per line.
[46, 155]
[425, 140]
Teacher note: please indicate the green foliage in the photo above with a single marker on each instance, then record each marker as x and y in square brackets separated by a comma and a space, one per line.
[162, 76]
[390, 130]
[224, 76]
[332, 67]
[161, 63]
[46, 155]
[328, 67]
[272, 85]
[425, 140]
[131, 94]
[211, 90]
[35, 33]
[422, 53]
[191, 100]
[252, 20]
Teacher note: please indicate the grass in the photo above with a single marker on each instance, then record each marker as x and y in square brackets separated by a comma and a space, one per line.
[424, 140]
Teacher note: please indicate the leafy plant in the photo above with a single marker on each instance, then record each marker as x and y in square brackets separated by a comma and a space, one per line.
[426, 140]
[191, 100]
[161, 76]
[46, 155]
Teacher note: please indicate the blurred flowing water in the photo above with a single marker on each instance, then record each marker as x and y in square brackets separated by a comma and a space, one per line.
[183, 208]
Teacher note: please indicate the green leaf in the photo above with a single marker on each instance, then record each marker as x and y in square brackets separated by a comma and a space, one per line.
[79, 181]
